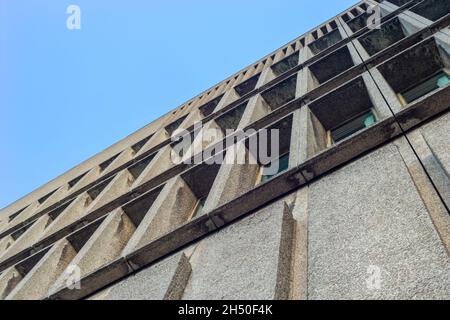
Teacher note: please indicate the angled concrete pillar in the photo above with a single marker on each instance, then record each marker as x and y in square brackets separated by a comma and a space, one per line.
[378, 101]
[5, 243]
[88, 178]
[298, 151]
[160, 163]
[304, 82]
[38, 281]
[235, 177]
[388, 93]
[118, 186]
[315, 133]
[355, 56]
[24, 215]
[267, 75]
[123, 158]
[9, 279]
[160, 136]
[304, 55]
[171, 209]
[55, 197]
[28, 238]
[3, 223]
[229, 97]
[257, 108]
[193, 117]
[103, 246]
[75, 211]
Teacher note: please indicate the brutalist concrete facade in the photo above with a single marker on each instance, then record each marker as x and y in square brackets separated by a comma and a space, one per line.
[364, 218]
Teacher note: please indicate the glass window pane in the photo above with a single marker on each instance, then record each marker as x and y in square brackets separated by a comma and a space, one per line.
[283, 165]
[352, 126]
[440, 80]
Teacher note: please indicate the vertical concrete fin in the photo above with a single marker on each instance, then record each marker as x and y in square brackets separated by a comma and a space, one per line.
[118, 186]
[9, 279]
[283, 283]
[299, 265]
[103, 246]
[43, 275]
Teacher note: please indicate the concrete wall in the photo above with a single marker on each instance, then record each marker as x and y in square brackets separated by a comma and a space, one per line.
[369, 217]
[366, 218]
[377, 216]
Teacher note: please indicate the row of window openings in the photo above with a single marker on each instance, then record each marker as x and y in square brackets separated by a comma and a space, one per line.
[439, 80]
[335, 135]
[250, 84]
[282, 164]
[360, 122]
[366, 119]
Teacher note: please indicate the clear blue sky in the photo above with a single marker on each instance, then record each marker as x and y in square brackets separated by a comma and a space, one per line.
[66, 95]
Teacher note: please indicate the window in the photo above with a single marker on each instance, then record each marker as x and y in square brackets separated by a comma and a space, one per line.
[231, 120]
[332, 65]
[325, 42]
[350, 127]
[267, 171]
[198, 208]
[440, 80]
[175, 125]
[432, 9]
[388, 34]
[247, 86]
[281, 94]
[286, 64]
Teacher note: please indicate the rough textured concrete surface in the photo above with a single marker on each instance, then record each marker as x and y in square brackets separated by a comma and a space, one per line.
[8, 280]
[437, 136]
[233, 180]
[368, 220]
[103, 246]
[72, 213]
[359, 211]
[171, 209]
[165, 280]
[117, 187]
[5, 243]
[44, 274]
[247, 260]
[28, 238]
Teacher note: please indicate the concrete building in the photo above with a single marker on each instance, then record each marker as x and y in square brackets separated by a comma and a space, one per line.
[360, 210]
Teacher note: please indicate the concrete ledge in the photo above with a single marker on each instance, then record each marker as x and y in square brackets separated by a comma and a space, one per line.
[349, 149]
[171, 242]
[36, 283]
[424, 109]
[94, 281]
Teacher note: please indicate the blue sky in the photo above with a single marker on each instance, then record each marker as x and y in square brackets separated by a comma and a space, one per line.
[66, 95]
